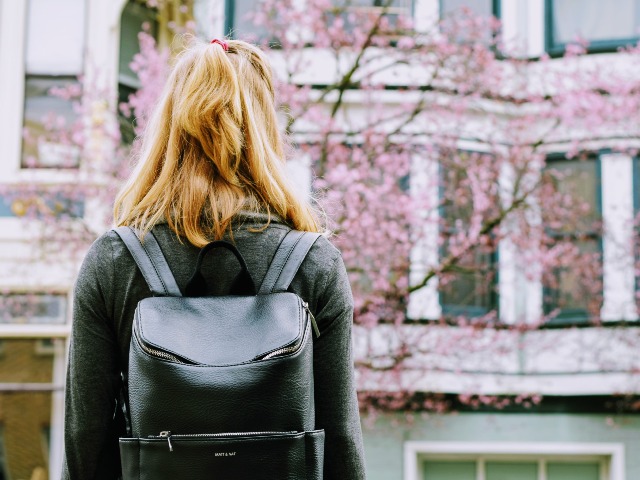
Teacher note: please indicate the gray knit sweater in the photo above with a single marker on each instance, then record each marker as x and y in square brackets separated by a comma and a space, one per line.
[107, 291]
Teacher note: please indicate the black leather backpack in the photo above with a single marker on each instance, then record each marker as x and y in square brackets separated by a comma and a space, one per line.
[221, 387]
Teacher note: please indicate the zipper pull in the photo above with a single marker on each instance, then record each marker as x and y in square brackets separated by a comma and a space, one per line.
[167, 435]
[312, 318]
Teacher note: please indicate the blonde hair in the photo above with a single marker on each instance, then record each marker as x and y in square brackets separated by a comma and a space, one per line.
[211, 148]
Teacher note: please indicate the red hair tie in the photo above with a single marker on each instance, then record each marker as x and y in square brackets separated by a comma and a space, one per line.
[222, 43]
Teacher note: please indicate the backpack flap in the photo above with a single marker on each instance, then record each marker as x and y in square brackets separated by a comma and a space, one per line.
[219, 331]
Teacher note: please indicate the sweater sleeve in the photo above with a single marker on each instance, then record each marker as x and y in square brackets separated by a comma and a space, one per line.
[334, 384]
[93, 373]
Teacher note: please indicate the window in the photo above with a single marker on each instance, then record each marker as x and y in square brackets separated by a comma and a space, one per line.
[469, 288]
[472, 290]
[513, 461]
[239, 15]
[495, 469]
[362, 13]
[47, 346]
[135, 17]
[604, 25]
[636, 185]
[56, 202]
[53, 60]
[569, 289]
[452, 11]
[391, 11]
[27, 388]
[377, 264]
[239, 21]
[394, 7]
[483, 8]
[33, 309]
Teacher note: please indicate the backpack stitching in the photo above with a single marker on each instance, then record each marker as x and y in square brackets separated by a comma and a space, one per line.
[166, 291]
[284, 264]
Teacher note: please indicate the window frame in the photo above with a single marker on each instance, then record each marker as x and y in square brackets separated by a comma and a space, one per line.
[494, 265]
[611, 455]
[577, 316]
[229, 27]
[124, 78]
[229, 17]
[230, 11]
[496, 12]
[557, 49]
[57, 329]
[391, 9]
[496, 8]
[26, 74]
[47, 164]
[128, 83]
[59, 301]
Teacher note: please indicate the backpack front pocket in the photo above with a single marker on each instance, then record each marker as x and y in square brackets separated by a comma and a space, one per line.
[232, 456]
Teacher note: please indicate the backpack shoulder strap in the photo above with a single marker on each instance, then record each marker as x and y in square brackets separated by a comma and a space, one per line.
[292, 251]
[151, 262]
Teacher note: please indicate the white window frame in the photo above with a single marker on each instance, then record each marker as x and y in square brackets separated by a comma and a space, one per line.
[619, 277]
[14, 31]
[439, 7]
[406, 7]
[426, 14]
[523, 26]
[102, 19]
[425, 253]
[209, 16]
[611, 455]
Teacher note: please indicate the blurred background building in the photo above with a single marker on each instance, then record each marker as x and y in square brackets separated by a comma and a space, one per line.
[580, 430]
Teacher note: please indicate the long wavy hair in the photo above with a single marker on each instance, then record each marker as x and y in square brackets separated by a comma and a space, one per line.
[211, 148]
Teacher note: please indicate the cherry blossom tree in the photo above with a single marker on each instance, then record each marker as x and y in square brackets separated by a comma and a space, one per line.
[397, 102]
[432, 136]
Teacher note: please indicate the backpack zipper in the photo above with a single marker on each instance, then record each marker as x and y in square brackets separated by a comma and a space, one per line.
[158, 353]
[161, 354]
[286, 350]
[168, 435]
[316, 330]
[281, 351]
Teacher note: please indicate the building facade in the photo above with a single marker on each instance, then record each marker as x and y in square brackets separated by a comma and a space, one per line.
[584, 427]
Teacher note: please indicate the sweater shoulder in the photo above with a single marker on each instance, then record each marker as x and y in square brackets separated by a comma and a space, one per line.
[322, 257]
